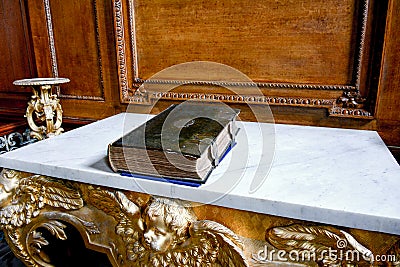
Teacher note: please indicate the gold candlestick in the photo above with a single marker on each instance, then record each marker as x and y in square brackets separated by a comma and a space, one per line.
[44, 106]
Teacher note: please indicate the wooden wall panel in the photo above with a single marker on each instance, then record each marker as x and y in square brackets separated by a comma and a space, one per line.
[77, 48]
[300, 53]
[16, 60]
[270, 41]
[75, 40]
[304, 55]
[388, 102]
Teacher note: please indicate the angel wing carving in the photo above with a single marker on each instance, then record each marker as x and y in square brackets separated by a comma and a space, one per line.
[33, 193]
[174, 237]
[227, 249]
[112, 202]
[208, 244]
[165, 232]
[317, 240]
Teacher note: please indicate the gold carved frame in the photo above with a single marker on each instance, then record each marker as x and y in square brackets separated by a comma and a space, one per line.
[345, 99]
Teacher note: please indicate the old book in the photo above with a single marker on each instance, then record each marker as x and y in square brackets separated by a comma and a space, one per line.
[184, 142]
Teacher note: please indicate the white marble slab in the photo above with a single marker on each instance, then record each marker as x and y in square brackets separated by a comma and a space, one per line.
[335, 176]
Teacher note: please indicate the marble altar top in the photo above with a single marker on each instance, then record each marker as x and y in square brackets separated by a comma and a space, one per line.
[335, 176]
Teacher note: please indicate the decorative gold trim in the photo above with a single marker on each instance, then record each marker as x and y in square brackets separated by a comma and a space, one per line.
[132, 27]
[135, 229]
[361, 40]
[139, 82]
[350, 105]
[50, 33]
[120, 45]
[335, 106]
[159, 232]
[43, 106]
[79, 97]
[129, 89]
[315, 242]
[249, 99]
[53, 55]
[355, 113]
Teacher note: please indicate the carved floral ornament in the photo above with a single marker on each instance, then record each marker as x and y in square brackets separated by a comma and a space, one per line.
[163, 232]
[157, 232]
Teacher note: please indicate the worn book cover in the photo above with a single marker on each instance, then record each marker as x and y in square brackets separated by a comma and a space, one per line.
[183, 142]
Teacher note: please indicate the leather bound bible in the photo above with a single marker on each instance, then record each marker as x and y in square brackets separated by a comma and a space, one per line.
[184, 143]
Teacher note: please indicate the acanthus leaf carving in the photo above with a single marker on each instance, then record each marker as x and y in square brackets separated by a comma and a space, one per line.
[36, 241]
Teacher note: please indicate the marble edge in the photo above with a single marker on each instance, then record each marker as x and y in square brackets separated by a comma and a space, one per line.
[265, 206]
[296, 211]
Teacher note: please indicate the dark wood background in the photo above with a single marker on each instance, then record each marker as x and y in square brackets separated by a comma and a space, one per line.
[294, 49]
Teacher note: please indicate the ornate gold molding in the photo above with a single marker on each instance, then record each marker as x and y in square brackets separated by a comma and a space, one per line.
[160, 232]
[43, 106]
[50, 33]
[337, 111]
[120, 44]
[135, 229]
[53, 54]
[131, 91]
[336, 107]
[249, 99]
[311, 245]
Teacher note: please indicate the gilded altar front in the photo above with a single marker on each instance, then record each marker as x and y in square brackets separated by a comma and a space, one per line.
[136, 229]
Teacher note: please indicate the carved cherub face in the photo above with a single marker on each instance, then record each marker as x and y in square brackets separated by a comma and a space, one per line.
[158, 236]
[166, 223]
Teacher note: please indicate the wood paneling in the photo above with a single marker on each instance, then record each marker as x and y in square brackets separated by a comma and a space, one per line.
[269, 41]
[388, 102]
[303, 54]
[75, 40]
[77, 51]
[286, 45]
[16, 60]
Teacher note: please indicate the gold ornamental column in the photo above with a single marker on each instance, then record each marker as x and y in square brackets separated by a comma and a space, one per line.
[44, 106]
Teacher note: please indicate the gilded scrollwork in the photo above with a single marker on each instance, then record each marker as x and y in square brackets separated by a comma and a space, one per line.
[135, 229]
[351, 99]
[30, 194]
[158, 232]
[165, 232]
[44, 107]
[36, 241]
[23, 198]
[319, 244]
